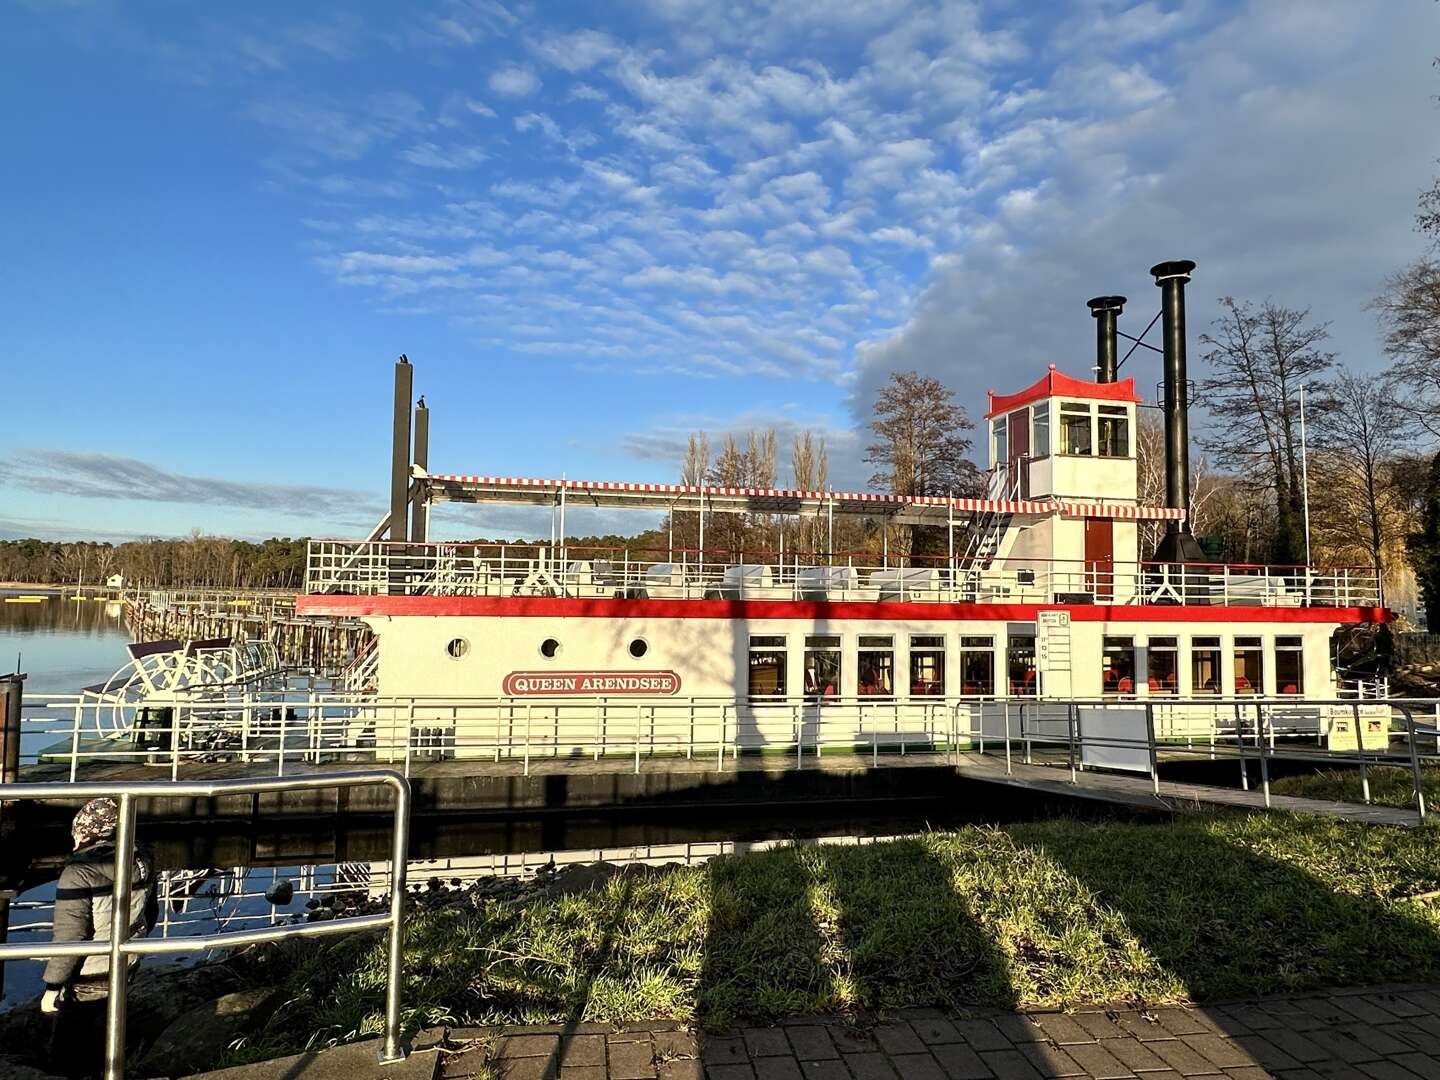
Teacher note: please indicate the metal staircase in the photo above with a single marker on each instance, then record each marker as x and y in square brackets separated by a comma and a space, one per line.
[989, 529]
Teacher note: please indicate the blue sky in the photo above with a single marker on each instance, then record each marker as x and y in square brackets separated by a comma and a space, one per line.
[596, 227]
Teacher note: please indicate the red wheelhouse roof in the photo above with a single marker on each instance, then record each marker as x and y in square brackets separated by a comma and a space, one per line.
[1057, 384]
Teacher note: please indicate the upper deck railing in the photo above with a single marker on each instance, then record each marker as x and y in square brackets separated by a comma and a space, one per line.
[377, 568]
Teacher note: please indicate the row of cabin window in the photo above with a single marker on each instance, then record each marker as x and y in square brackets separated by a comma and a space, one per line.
[875, 666]
[1083, 431]
[1119, 672]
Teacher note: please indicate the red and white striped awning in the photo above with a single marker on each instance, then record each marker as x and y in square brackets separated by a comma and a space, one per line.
[900, 509]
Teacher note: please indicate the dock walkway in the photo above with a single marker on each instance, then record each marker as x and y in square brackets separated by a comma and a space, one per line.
[480, 785]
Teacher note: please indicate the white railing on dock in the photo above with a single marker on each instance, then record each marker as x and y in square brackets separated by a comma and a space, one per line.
[374, 568]
[284, 732]
[120, 946]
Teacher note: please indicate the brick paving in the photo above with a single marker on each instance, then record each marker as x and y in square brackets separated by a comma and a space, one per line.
[1364, 1034]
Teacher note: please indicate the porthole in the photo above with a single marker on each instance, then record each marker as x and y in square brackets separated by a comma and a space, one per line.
[550, 648]
[457, 648]
[639, 648]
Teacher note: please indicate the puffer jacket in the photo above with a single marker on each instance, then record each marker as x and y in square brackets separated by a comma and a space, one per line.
[82, 913]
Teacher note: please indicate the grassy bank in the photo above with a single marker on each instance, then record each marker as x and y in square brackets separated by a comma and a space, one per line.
[1055, 913]
[1389, 785]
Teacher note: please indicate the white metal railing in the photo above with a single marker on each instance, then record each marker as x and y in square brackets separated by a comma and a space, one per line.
[384, 568]
[120, 947]
[290, 731]
[1131, 736]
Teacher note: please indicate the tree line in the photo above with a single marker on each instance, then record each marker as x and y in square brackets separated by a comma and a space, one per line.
[193, 561]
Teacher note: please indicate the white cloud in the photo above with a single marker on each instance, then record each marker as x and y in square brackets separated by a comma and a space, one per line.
[432, 156]
[514, 82]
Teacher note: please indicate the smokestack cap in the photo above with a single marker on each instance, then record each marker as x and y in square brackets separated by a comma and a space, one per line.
[1176, 268]
[1105, 303]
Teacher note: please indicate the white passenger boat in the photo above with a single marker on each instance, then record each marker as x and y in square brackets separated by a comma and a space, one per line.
[1042, 598]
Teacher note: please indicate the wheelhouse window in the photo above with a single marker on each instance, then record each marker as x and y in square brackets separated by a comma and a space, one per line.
[999, 441]
[927, 665]
[1075, 435]
[876, 665]
[1040, 429]
[1205, 665]
[977, 666]
[1162, 665]
[1289, 665]
[1118, 665]
[1020, 672]
[1114, 431]
[822, 667]
[767, 667]
[1249, 665]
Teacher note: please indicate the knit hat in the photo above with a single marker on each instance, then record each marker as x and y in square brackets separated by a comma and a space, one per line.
[96, 820]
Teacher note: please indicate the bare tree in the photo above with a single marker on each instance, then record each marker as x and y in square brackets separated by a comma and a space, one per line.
[810, 471]
[919, 448]
[1409, 311]
[1357, 439]
[1259, 359]
[1205, 485]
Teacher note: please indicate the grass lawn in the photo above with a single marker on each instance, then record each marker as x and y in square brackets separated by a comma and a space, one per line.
[1055, 913]
[1389, 785]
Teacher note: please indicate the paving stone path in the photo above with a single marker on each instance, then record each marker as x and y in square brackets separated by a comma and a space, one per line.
[1387, 1034]
[1390, 1033]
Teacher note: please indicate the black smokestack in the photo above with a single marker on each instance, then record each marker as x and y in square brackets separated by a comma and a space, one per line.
[400, 450]
[1178, 544]
[1106, 310]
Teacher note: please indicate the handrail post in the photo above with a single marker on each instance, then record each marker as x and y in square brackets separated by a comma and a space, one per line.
[1260, 746]
[1071, 721]
[1150, 741]
[1415, 773]
[119, 934]
[392, 1049]
[799, 737]
[1360, 749]
[175, 739]
[1009, 768]
[637, 737]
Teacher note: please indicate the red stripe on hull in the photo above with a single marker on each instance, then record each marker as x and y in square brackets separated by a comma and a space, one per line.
[552, 607]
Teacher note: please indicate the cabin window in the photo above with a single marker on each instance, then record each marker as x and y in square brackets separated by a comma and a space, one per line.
[1289, 665]
[1249, 665]
[1114, 431]
[767, 667]
[1075, 429]
[1205, 665]
[822, 667]
[1000, 441]
[1118, 665]
[927, 665]
[1162, 665]
[977, 666]
[1020, 666]
[639, 647]
[457, 648]
[876, 666]
[550, 648]
[1040, 426]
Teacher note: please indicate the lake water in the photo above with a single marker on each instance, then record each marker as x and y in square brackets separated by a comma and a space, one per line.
[62, 644]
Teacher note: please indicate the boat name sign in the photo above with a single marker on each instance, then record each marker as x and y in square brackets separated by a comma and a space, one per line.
[552, 683]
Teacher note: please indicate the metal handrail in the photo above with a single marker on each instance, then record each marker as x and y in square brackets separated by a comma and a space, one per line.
[1263, 732]
[377, 568]
[120, 947]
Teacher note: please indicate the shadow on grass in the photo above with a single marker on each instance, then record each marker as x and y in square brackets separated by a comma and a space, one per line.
[825, 929]
[1228, 918]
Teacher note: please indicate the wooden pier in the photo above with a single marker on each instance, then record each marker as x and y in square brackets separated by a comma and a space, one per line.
[305, 642]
